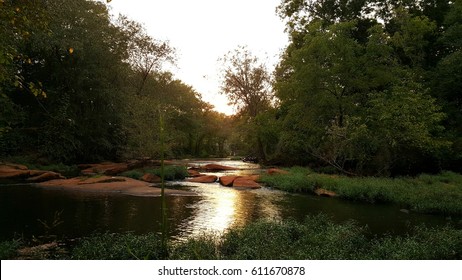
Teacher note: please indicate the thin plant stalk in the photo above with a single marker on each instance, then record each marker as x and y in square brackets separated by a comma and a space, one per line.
[162, 184]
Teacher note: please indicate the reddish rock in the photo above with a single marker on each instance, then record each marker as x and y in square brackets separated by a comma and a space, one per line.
[107, 168]
[217, 167]
[194, 173]
[151, 178]
[273, 171]
[324, 192]
[45, 176]
[245, 183]
[255, 178]
[203, 179]
[227, 180]
[14, 166]
[7, 172]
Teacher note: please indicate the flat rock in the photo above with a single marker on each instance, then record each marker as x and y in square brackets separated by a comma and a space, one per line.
[217, 167]
[324, 192]
[45, 176]
[151, 178]
[110, 185]
[203, 179]
[273, 171]
[227, 180]
[107, 168]
[245, 184]
[194, 173]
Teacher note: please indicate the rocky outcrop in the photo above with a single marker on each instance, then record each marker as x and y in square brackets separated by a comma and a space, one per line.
[151, 178]
[108, 184]
[106, 168]
[43, 176]
[217, 167]
[273, 171]
[194, 173]
[203, 179]
[21, 172]
[324, 192]
[227, 181]
[245, 183]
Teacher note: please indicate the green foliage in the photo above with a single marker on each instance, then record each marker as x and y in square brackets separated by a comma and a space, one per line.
[426, 193]
[171, 172]
[316, 238]
[8, 249]
[112, 246]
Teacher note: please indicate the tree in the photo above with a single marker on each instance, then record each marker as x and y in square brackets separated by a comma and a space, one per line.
[331, 87]
[246, 82]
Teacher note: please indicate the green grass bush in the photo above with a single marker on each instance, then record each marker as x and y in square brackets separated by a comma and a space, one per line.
[441, 193]
[318, 237]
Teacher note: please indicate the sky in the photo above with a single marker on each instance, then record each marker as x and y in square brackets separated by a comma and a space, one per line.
[202, 31]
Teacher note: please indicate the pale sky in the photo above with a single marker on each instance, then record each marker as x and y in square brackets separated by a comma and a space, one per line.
[202, 31]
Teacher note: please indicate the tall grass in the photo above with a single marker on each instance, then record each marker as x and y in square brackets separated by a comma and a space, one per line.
[171, 172]
[315, 238]
[440, 193]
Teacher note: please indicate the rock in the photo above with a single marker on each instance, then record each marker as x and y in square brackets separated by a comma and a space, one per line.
[194, 173]
[255, 177]
[245, 183]
[217, 167]
[324, 192]
[273, 171]
[151, 178]
[14, 166]
[7, 172]
[227, 180]
[203, 179]
[107, 168]
[405, 211]
[45, 176]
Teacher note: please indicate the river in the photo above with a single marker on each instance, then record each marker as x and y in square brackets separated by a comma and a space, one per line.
[31, 211]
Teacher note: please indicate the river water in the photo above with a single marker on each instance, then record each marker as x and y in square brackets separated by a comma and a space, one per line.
[30, 211]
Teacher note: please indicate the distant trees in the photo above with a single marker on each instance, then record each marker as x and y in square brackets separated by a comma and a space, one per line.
[76, 85]
[247, 84]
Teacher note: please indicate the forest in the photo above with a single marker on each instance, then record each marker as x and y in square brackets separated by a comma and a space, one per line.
[365, 87]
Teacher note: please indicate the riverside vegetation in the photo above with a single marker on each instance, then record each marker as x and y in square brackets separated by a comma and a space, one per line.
[316, 238]
[441, 194]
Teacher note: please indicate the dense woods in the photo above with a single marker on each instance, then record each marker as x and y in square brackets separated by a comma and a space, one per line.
[77, 85]
[365, 87]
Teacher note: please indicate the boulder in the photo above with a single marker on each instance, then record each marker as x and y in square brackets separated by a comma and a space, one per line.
[324, 192]
[151, 178]
[44, 176]
[255, 177]
[203, 179]
[217, 167]
[273, 171]
[8, 172]
[227, 180]
[194, 173]
[107, 168]
[245, 184]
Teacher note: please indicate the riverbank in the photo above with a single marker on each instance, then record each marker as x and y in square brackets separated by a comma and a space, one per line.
[436, 194]
[316, 238]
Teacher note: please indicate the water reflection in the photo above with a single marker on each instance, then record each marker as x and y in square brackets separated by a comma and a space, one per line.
[216, 209]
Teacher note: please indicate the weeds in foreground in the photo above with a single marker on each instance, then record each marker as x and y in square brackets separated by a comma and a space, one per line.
[315, 238]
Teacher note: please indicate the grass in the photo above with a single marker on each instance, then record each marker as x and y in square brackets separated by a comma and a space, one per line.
[171, 172]
[315, 238]
[318, 238]
[426, 193]
[8, 249]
